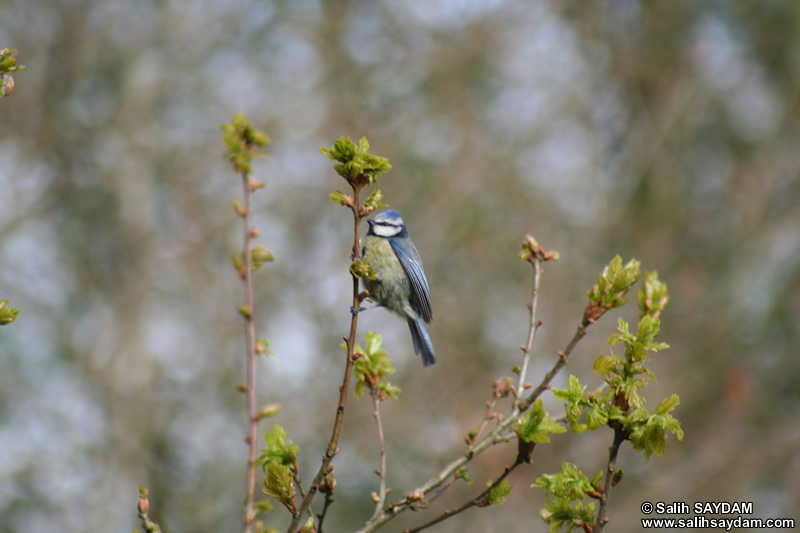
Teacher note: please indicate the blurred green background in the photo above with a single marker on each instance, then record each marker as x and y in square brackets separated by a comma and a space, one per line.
[667, 131]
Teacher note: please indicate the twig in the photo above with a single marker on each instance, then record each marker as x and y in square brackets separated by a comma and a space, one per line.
[495, 436]
[321, 516]
[144, 512]
[332, 449]
[489, 409]
[499, 434]
[534, 325]
[377, 413]
[251, 359]
[601, 520]
[299, 484]
[563, 356]
[479, 500]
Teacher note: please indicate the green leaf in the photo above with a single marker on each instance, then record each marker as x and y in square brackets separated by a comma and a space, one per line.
[309, 526]
[536, 425]
[259, 256]
[354, 163]
[8, 60]
[667, 405]
[570, 483]
[653, 297]
[498, 494]
[8, 314]
[596, 417]
[269, 410]
[242, 142]
[463, 473]
[263, 507]
[341, 198]
[279, 448]
[373, 202]
[372, 367]
[279, 482]
[603, 364]
[648, 432]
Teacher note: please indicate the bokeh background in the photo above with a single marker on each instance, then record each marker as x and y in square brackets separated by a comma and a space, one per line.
[666, 131]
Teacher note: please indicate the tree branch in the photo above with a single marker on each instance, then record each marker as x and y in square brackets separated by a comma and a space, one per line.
[497, 435]
[489, 409]
[601, 520]
[377, 413]
[332, 449]
[321, 516]
[250, 329]
[479, 500]
[534, 325]
[299, 484]
[563, 356]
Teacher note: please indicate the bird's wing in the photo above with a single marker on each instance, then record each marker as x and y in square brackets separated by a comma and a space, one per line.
[407, 253]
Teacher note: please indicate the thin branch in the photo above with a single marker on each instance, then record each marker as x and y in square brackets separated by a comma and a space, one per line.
[377, 414]
[534, 325]
[321, 516]
[143, 507]
[251, 359]
[479, 500]
[563, 356]
[497, 435]
[601, 520]
[299, 484]
[332, 449]
[489, 409]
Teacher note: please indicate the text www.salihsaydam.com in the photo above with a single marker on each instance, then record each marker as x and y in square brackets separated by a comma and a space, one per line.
[718, 523]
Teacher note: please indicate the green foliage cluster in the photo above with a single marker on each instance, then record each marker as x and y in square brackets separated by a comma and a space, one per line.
[499, 493]
[535, 425]
[531, 251]
[372, 367]
[279, 483]
[354, 162]
[8, 64]
[619, 403]
[242, 141]
[612, 288]
[279, 463]
[279, 448]
[565, 492]
[362, 269]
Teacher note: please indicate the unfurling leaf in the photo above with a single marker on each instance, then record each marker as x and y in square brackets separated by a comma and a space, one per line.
[8, 314]
[279, 483]
[362, 269]
[242, 142]
[341, 198]
[279, 448]
[498, 494]
[260, 256]
[355, 163]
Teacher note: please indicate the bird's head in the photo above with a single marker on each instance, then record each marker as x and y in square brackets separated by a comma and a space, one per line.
[387, 224]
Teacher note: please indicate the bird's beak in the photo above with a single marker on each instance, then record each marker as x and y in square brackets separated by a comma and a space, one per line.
[370, 222]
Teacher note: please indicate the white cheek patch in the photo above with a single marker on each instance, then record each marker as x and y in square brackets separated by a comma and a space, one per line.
[386, 231]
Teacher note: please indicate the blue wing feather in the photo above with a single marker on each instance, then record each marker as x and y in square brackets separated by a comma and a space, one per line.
[407, 253]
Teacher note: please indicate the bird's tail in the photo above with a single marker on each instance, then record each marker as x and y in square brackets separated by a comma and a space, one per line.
[422, 341]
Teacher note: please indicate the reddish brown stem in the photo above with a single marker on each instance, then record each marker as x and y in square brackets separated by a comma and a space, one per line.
[332, 449]
[250, 331]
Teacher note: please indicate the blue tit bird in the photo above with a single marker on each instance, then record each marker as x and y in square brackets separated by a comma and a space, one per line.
[400, 284]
